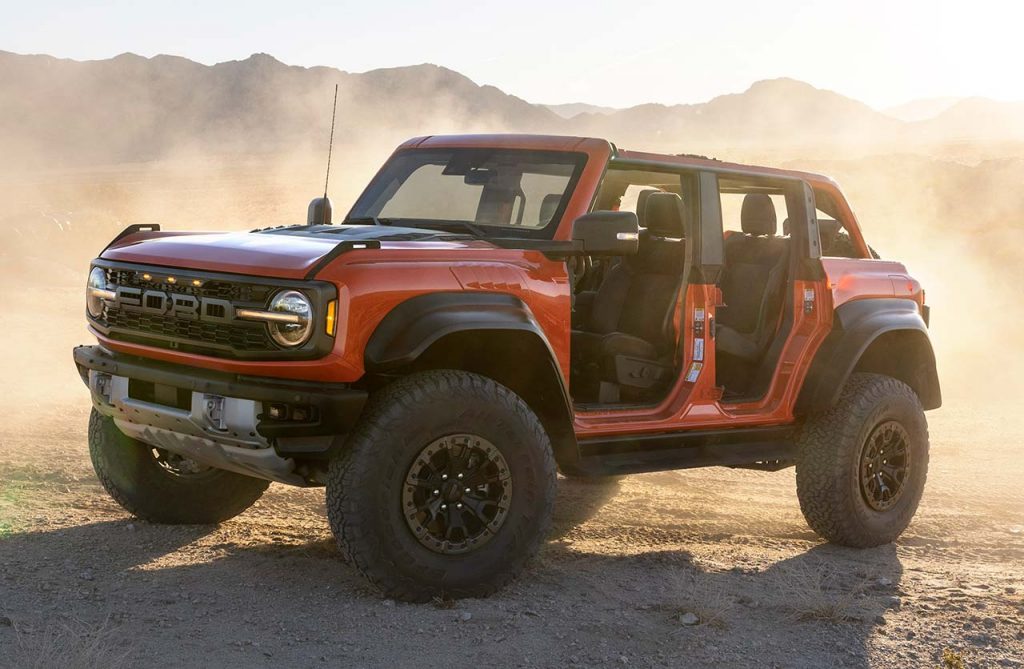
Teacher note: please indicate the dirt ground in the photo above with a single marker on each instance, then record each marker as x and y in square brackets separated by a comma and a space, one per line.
[83, 584]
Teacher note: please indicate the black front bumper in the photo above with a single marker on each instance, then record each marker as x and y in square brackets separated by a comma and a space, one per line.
[337, 406]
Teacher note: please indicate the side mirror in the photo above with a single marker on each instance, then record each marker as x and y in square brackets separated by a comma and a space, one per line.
[607, 233]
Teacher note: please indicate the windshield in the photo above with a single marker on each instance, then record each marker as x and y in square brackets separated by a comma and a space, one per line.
[497, 191]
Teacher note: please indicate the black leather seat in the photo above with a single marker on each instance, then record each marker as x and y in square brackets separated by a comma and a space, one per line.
[753, 282]
[628, 336]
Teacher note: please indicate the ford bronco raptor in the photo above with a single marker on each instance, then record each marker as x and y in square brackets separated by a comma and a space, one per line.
[496, 309]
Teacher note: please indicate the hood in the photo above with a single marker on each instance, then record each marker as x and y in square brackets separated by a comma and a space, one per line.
[285, 252]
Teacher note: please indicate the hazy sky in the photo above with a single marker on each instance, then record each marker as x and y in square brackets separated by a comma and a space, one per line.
[612, 53]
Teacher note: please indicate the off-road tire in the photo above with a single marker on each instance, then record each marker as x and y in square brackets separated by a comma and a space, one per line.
[136, 481]
[828, 474]
[366, 480]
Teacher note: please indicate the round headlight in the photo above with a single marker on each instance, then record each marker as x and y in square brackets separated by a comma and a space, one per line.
[296, 332]
[97, 281]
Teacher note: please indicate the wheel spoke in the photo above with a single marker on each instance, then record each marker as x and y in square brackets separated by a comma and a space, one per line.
[477, 506]
[455, 521]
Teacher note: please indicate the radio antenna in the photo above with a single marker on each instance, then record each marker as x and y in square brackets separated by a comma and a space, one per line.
[330, 146]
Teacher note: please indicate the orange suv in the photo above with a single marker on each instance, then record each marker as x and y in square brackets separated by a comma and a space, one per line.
[495, 309]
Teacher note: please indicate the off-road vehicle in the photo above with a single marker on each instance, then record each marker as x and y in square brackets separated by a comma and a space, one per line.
[497, 309]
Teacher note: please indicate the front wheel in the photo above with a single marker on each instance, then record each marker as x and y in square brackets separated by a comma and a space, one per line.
[861, 465]
[159, 486]
[445, 488]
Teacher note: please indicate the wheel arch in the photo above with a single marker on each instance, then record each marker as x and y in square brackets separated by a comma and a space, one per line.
[878, 335]
[491, 334]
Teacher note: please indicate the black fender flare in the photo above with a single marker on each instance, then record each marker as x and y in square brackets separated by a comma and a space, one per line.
[856, 326]
[413, 326]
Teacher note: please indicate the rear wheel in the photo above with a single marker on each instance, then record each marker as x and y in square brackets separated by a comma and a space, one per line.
[445, 488]
[861, 466]
[162, 487]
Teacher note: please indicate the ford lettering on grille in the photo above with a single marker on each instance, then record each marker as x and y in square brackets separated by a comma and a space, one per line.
[158, 302]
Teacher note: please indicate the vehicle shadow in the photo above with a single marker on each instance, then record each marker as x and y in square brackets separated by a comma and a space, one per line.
[260, 602]
[819, 608]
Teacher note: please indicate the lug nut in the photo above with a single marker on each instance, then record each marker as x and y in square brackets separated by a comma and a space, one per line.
[460, 476]
[459, 505]
[444, 507]
[437, 492]
[444, 477]
[467, 490]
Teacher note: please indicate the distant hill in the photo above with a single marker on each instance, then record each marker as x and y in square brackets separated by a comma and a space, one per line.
[572, 109]
[129, 108]
[133, 108]
[977, 118]
[778, 112]
[921, 110]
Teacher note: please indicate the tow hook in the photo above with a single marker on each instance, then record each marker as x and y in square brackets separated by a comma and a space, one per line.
[101, 384]
[213, 409]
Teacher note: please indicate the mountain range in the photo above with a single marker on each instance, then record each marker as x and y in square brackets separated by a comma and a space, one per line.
[130, 108]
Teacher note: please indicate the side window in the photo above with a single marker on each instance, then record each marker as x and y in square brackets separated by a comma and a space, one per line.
[624, 189]
[835, 240]
[631, 197]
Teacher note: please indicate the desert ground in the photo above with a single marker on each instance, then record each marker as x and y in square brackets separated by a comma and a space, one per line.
[711, 567]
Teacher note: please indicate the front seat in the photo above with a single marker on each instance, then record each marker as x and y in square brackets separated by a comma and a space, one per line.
[628, 337]
[753, 282]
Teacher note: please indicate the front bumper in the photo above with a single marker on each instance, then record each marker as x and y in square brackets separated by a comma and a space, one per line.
[231, 409]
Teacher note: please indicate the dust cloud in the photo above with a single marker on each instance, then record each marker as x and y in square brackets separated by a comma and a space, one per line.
[955, 226]
[728, 546]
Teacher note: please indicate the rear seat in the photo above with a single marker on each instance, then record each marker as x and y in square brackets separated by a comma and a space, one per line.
[753, 282]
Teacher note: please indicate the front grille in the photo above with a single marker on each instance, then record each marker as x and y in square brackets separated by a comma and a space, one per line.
[231, 339]
[252, 294]
[237, 336]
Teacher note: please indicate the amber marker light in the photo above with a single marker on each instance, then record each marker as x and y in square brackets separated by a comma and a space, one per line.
[147, 277]
[171, 279]
[196, 282]
[332, 321]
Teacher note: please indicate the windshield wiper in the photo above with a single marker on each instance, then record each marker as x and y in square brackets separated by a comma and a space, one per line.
[442, 226]
[471, 228]
[363, 220]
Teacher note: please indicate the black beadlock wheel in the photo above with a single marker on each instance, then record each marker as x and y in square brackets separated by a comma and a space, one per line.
[862, 465]
[162, 487]
[885, 465]
[457, 493]
[445, 487]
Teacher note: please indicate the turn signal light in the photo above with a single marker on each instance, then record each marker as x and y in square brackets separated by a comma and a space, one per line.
[332, 317]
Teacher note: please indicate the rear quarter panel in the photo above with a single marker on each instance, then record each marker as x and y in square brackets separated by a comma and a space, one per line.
[852, 279]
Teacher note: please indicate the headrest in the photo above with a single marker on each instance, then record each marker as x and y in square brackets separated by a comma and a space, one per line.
[548, 207]
[663, 215]
[758, 215]
[641, 204]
